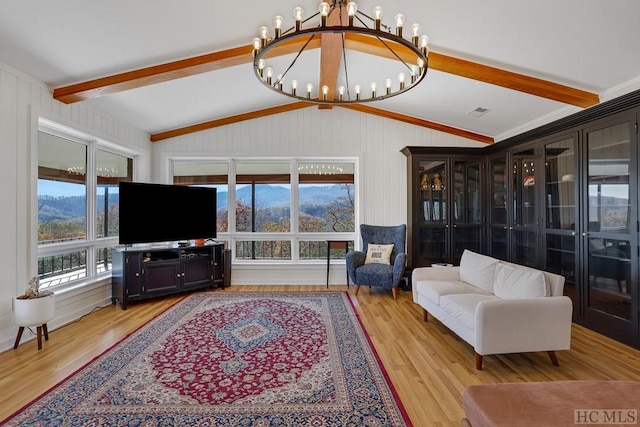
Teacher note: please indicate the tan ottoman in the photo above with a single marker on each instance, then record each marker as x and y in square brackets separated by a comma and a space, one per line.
[553, 403]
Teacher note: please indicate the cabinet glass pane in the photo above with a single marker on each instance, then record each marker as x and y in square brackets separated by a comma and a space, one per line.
[498, 243]
[466, 193]
[609, 152]
[433, 206]
[524, 186]
[561, 259]
[609, 276]
[432, 245]
[560, 184]
[465, 238]
[498, 214]
[524, 247]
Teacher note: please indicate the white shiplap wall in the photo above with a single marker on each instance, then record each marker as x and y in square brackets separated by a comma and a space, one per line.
[22, 100]
[311, 132]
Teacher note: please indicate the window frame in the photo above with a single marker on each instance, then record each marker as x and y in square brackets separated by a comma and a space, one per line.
[90, 244]
[293, 235]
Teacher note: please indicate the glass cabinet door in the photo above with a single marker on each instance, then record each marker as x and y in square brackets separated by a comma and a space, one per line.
[609, 221]
[433, 212]
[466, 208]
[560, 212]
[498, 231]
[524, 232]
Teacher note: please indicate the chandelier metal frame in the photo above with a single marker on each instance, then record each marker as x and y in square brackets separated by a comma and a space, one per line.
[344, 95]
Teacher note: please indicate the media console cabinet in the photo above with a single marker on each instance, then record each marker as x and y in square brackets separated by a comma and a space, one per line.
[141, 273]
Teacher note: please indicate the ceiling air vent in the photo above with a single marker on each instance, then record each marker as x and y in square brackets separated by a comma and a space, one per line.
[478, 111]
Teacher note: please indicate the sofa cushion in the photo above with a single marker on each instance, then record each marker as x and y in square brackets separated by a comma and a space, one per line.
[463, 307]
[519, 282]
[378, 254]
[478, 270]
[434, 289]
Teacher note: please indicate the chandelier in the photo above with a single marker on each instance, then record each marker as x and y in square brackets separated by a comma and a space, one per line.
[319, 62]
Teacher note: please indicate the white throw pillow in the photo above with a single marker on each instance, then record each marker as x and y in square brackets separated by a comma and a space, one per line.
[378, 254]
[513, 282]
[478, 270]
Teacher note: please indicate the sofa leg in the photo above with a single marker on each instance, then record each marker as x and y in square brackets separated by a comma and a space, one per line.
[394, 291]
[425, 315]
[357, 289]
[553, 357]
[478, 361]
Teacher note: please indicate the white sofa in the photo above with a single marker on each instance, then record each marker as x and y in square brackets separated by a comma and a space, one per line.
[496, 306]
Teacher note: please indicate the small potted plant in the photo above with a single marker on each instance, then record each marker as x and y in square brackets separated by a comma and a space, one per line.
[34, 308]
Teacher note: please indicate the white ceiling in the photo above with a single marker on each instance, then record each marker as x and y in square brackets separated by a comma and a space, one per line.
[591, 45]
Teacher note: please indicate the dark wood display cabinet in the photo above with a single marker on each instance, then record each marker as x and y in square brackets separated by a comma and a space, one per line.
[146, 273]
[444, 214]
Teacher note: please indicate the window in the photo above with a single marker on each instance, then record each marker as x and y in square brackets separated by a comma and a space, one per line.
[208, 174]
[283, 210]
[77, 209]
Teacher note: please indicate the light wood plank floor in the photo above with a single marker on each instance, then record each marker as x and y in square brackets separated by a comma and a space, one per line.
[428, 365]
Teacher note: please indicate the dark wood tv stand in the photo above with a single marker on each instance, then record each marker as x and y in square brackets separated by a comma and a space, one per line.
[141, 273]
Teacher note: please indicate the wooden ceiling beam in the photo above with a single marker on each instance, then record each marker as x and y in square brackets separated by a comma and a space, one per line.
[166, 72]
[480, 72]
[363, 108]
[330, 56]
[229, 120]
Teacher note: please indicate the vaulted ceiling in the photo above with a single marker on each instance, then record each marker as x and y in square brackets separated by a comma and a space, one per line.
[171, 68]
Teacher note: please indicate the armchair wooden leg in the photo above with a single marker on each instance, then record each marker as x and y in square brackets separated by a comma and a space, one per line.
[553, 357]
[394, 291]
[478, 362]
[425, 315]
[357, 289]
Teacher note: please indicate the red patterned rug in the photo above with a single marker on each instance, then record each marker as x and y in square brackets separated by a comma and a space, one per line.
[232, 359]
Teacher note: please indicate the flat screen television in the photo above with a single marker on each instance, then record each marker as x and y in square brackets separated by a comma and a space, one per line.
[151, 213]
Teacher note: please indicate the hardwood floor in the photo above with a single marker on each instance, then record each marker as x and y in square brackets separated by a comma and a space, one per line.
[428, 365]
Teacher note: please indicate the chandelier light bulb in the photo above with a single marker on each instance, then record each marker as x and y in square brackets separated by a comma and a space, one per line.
[424, 44]
[373, 89]
[294, 86]
[387, 85]
[399, 18]
[324, 12]
[341, 93]
[280, 81]
[261, 67]
[401, 77]
[325, 91]
[352, 8]
[277, 24]
[309, 89]
[357, 89]
[257, 44]
[415, 33]
[377, 16]
[269, 73]
[263, 32]
[298, 12]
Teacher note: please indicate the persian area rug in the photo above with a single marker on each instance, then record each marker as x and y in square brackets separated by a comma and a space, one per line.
[232, 359]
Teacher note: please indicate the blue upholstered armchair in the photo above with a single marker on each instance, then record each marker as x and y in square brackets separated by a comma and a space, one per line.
[376, 274]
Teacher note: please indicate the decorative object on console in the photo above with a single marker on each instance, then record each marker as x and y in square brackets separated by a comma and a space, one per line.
[231, 359]
[375, 55]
